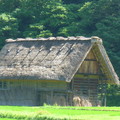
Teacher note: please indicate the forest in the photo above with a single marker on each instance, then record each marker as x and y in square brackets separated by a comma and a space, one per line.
[45, 18]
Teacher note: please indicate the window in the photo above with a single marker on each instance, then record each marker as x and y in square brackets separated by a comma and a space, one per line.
[3, 85]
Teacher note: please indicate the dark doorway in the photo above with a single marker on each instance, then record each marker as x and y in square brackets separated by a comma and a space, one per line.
[43, 97]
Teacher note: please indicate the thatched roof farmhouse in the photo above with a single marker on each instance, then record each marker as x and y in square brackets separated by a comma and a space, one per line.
[55, 70]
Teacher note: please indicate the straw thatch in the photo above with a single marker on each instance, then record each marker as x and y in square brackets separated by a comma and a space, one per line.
[54, 58]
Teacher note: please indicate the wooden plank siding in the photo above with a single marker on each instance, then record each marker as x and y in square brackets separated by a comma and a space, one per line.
[31, 92]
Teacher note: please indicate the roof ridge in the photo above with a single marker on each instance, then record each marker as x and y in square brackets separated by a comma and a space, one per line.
[93, 38]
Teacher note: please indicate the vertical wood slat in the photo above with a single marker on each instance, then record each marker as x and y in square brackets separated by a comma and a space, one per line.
[87, 87]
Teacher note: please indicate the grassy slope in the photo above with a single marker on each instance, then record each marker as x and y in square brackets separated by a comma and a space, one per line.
[59, 113]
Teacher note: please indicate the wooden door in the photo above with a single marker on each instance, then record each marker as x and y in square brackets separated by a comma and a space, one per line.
[43, 97]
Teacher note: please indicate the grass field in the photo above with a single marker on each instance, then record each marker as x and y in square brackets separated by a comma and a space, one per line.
[59, 113]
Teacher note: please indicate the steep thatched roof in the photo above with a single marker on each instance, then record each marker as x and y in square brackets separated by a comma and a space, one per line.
[54, 58]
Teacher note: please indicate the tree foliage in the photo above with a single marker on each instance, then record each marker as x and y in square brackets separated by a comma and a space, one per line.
[8, 27]
[113, 95]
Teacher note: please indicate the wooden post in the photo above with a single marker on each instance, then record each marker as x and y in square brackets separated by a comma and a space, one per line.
[67, 99]
[51, 102]
[105, 101]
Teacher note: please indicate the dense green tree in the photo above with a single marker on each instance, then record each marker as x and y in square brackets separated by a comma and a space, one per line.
[76, 1]
[9, 5]
[113, 95]
[8, 27]
[52, 16]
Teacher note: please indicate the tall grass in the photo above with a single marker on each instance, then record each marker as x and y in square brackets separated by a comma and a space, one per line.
[59, 113]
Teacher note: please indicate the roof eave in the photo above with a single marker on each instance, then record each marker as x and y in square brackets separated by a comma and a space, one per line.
[112, 74]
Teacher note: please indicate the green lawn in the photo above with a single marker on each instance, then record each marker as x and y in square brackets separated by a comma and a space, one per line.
[7, 119]
[59, 113]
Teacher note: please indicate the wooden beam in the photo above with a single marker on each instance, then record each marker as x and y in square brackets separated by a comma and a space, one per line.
[90, 60]
[89, 74]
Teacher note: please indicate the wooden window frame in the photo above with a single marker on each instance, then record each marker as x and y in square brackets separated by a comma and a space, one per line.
[4, 85]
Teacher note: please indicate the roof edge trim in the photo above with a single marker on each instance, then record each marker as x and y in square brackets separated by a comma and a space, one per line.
[114, 77]
[94, 39]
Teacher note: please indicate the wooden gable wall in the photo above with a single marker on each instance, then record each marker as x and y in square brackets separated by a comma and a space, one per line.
[86, 81]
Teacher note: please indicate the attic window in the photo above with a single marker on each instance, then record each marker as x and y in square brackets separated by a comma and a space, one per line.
[29, 50]
[3, 85]
[18, 51]
[51, 48]
[8, 51]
